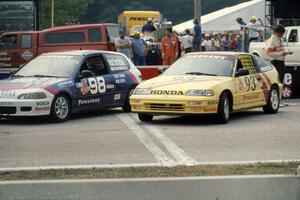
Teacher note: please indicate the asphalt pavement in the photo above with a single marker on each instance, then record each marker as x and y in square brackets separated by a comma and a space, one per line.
[112, 138]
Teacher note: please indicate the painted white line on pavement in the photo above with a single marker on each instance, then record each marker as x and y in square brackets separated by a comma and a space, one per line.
[248, 162]
[177, 152]
[160, 156]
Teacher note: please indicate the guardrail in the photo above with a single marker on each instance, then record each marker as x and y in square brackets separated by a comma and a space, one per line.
[272, 187]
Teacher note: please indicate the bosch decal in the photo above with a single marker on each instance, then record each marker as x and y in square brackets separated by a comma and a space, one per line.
[45, 103]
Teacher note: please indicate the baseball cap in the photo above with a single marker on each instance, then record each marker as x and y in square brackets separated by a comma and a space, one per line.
[253, 18]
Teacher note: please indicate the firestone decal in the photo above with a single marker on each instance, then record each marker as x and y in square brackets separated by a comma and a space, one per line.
[27, 55]
[88, 101]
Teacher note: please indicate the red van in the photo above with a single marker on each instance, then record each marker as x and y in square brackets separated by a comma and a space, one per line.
[17, 48]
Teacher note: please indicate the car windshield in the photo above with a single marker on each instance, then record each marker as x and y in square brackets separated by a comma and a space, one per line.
[214, 65]
[50, 66]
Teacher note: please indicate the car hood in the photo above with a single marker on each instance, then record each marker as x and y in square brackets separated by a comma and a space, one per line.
[183, 83]
[29, 83]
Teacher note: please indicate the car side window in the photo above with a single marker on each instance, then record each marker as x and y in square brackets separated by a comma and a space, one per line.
[293, 37]
[8, 42]
[116, 63]
[263, 65]
[95, 65]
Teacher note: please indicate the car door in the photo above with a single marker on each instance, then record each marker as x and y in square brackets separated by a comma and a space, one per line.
[95, 85]
[292, 45]
[248, 90]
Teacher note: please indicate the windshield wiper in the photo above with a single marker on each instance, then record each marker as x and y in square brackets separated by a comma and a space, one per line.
[200, 73]
[39, 75]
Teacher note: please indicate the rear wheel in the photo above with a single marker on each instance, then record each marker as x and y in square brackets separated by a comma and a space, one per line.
[61, 108]
[127, 107]
[273, 102]
[223, 109]
[145, 117]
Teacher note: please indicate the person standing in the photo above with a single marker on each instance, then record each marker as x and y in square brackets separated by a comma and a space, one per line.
[139, 49]
[206, 43]
[169, 47]
[253, 28]
[187, 41]
[226, 43]
[275, 49]
[196, 36]
[123, 44]
[215, 42]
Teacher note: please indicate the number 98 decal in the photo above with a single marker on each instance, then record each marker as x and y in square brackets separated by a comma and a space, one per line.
[97, 85]
[250, 83]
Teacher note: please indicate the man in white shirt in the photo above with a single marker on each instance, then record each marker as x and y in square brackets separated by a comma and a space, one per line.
[206, 43]
[253, 28]
[123, 44]
[187, 41]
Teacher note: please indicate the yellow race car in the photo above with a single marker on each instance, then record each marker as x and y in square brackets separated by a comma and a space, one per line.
[209, 83]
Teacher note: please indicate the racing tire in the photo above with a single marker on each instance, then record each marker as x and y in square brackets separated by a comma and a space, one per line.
[60, 108]
[272, 102]
[145, 117]
[127, 107]
[223, 114]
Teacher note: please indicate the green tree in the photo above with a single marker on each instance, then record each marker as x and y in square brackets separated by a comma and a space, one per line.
[65, 11]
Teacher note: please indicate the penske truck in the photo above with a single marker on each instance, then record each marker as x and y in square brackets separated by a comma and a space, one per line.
[136, 19]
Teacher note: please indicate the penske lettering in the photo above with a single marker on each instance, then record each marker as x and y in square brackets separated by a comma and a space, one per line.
[166, 92]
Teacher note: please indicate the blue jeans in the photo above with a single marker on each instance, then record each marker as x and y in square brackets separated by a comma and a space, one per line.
[139, 60]
[196, 45]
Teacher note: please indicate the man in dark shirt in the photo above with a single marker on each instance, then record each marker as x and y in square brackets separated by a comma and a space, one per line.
[196, 36]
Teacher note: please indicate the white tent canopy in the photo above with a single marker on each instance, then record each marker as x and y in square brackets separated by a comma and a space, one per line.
[225, 19]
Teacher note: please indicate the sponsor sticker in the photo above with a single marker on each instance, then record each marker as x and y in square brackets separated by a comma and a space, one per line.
[6, 103]
[45, 108]
[288, 79]
[210, 109]
[213, 102]
[44, 103]
[286, 92]
[7, 93]
[66, 84]
[88, 101]
[27, 55]
[117, 97]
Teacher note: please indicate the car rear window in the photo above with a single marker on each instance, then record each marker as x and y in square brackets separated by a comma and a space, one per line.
[263, 65]
[116, 62]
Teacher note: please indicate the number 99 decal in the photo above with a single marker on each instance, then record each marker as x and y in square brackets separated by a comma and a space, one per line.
[97, 85]
[250, 82]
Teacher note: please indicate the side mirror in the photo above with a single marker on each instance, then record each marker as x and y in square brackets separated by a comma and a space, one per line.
[86, 73]
[242, 72]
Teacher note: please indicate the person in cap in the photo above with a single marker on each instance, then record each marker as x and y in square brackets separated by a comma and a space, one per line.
[123, 44]
[149, 27]
[206, 43]
[139, 49]
[196, 36]
[253, 27]
[275, 50]
[215, 42]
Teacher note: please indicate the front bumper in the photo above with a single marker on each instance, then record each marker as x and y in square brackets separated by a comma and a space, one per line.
[175, 105]
[32, 107]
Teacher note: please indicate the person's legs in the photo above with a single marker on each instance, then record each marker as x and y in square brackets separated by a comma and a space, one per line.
[142, 60]
[279, 65]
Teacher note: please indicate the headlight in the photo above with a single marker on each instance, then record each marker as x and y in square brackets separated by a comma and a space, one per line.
[34, 95]
[205, 93]
[141, 91]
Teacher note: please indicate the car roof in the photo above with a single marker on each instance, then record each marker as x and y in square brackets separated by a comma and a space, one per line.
[220, 53]
[79, 52]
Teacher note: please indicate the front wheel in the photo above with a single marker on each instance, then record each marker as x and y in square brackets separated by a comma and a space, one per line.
[272, 102]
[223, 109]
[61, 108]
[145, 117]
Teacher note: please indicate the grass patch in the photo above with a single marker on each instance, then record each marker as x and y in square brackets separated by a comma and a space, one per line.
[142, 172]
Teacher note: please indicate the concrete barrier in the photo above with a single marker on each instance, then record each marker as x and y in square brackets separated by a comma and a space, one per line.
[194, 188]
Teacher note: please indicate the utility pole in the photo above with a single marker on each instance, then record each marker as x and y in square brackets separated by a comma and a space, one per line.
[197, 10]
[52, 13]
